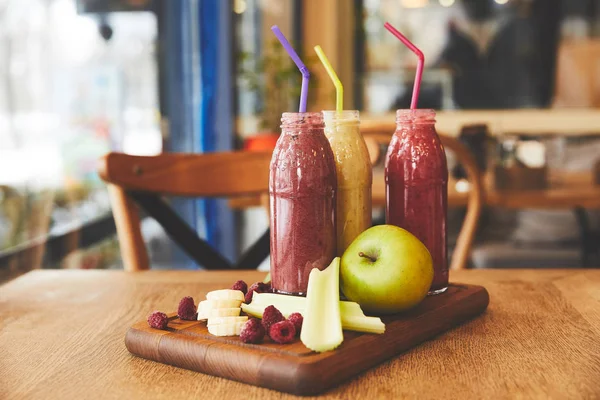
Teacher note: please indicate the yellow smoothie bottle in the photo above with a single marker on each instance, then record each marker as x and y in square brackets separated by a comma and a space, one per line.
[354, 175]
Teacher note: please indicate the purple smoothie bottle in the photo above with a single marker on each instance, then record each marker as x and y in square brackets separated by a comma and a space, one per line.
[302, 188]
[416, 176]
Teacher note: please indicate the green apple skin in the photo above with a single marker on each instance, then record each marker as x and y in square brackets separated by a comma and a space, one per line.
[396, 274]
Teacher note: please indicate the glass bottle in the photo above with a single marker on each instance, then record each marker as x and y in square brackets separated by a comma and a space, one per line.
[416, 176]
[302, 188]
[354, 175]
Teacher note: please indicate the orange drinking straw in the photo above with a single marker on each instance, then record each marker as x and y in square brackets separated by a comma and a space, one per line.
[420, 63]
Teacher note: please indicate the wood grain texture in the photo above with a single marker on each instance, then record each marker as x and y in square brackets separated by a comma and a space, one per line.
[61, 337]
[294, 368]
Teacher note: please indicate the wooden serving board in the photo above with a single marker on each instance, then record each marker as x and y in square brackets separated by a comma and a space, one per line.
[293, 368]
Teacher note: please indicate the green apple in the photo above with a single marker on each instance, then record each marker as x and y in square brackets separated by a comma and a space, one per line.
[386, 269]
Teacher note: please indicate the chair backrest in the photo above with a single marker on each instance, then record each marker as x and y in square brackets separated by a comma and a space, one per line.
[142, 179]
[462, 251]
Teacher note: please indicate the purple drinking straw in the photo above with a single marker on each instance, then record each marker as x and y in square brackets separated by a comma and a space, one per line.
[303, 70]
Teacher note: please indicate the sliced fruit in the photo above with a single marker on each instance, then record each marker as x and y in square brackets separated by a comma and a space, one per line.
[267, 278]
[363, 324]
[295, 303]
[225, 294]
[256, 310]
[233, 329]
[220, 303]
[322, 327]
[218, 312]
[353, 319]
[226, 320]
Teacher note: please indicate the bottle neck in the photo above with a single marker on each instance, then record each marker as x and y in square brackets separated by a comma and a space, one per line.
[417, 119]
[346, 117]
[301, 122]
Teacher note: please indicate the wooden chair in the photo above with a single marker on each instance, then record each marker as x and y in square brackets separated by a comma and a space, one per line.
[462, 251]
[141, 181]
[374, 149]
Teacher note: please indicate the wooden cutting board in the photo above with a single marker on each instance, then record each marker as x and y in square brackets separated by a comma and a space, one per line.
[293, 368]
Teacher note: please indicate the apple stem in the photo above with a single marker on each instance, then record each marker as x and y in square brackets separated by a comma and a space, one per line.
[372, 259]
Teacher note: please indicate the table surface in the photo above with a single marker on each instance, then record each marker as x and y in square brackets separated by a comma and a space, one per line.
[61, 337]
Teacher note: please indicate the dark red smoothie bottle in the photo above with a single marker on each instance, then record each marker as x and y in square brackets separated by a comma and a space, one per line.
[302, 188]
[416, 176]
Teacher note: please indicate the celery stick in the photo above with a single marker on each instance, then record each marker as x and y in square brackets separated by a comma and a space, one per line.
[350, 308]
[256, 310]
[353, 319]
[363, 324]
[298, 303]
[322, 326]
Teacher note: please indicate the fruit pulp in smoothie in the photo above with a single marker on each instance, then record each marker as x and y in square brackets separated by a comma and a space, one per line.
[354, 175]
[302, 189]
[416, 176]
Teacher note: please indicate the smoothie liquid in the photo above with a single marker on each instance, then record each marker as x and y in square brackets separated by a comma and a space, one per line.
[354, 175]
[302, 188]
[416, 176]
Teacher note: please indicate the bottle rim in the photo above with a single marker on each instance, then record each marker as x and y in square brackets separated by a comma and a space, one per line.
[351, 117]
[418, 116]
[307, 120]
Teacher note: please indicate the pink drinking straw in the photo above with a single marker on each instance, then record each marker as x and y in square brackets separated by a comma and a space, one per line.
[303, 70]
[420, 64]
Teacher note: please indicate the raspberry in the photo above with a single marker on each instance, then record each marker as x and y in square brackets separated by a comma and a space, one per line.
[248, 297]
[296, 319]
[252, 331]
[240, 285]
[282, 332]
[158, 320]
[271, 316]
[187, 309]
[258, 287]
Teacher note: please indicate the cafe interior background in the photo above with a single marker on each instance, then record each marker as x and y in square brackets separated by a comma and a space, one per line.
[81, 78]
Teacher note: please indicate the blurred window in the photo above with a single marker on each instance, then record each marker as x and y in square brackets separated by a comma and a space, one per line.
[480, 54]
[73, 86]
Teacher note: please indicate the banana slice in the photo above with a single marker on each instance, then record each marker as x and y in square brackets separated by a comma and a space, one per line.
[221, 303]
[218, 312]
[226, 294]
[226, 320]
[226, 329]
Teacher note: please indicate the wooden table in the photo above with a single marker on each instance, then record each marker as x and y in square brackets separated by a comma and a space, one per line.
[61, 337]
